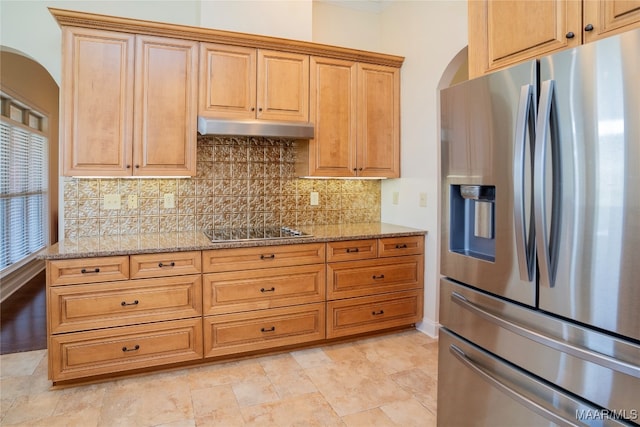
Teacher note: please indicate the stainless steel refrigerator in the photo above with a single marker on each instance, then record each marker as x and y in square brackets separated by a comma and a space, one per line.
[540, 242]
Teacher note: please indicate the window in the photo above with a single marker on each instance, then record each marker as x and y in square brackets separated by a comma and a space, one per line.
[23, 185]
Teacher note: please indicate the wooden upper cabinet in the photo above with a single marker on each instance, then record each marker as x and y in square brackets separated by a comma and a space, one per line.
[505, 32]
[166, 97]
[378, 149]
[97, 102]
[502, 33]
[333, 95]
[129, 104]
[227, 81]
[355, 109]
[605, 18]
[245, 83]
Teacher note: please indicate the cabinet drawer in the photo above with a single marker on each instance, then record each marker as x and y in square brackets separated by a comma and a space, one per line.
[351, 250]
[84, 354]
[165, 264]
[242, 332]
[87, 270]
[219, 260]
[366, 314]
[259, 289]
[399, 246]
[374, 276]
[103, 305]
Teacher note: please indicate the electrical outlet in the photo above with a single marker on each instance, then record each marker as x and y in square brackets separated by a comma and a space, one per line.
[396, 196]
[423, 200]
[132, 201]
[112, 201]
[169, 201]
[314, 198]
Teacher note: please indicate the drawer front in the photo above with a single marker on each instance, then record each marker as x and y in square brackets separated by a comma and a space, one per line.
[237, 259]
[103, 305]
[84, 354]
[367, 314]
[165, 264]
[243, 332]
[367, 277]
[87, 270]
[260, 289]
[399, 246]
[351, 250]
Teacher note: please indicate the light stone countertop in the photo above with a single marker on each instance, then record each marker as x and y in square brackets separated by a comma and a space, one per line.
[131, 244]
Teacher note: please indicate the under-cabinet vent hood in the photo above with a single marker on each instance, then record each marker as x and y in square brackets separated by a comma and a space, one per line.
[208, 126]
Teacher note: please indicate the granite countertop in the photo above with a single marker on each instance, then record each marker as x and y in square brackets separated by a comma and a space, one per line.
[131, 244]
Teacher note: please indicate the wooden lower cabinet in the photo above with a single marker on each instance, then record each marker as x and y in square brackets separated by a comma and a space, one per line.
[110, 315]
[239, 291]
[101, 305]
[366, 314]
[105, 351]
[242, 332]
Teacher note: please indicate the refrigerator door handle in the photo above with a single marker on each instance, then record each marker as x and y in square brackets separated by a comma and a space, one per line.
[551, 342]
[518, 397]
[546, 238]
[525, 125]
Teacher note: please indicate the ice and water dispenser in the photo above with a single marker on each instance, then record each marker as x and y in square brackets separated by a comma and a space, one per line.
[472, 221]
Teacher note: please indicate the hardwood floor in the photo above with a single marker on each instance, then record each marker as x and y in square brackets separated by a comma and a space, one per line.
[23, 321]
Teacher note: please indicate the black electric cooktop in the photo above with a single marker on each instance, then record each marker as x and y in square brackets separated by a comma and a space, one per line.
[227, 234]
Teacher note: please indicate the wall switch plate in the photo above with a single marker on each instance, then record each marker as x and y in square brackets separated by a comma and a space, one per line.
[132, 201]
[395, 197]
[169, 201]
[423, 200]
[112, 201]
[314, 198]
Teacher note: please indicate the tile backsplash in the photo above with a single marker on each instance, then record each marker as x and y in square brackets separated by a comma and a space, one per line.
[240, 181]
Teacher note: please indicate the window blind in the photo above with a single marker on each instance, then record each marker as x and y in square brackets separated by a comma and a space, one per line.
[23, 192]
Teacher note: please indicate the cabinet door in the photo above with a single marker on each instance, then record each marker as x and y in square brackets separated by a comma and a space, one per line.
[378, 147]
[166, 95]
[502, 33]
[607, 17]
[283, 86]
[97, 102]
[227, 81]
[332, 151]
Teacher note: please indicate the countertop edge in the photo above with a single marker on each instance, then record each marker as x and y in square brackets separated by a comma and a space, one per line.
[54, 253]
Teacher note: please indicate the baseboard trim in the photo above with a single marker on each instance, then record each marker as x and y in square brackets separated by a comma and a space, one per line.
[15, 280]
[428, 327]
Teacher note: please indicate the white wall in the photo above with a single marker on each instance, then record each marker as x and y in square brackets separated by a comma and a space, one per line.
[289, 19]
[29, 27]
[348, 24]
[428, 34]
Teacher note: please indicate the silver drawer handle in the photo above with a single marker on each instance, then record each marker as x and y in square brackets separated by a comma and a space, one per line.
[525, 401]
[590, 356]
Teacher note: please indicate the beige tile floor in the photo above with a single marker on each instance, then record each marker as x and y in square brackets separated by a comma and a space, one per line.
[387, 380]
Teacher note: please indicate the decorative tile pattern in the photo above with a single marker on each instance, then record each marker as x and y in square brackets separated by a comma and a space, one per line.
[239, 181]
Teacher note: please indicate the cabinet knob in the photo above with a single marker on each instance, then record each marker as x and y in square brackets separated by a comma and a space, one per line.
[589, 27]
[128, 166]
[137, 166]
[260, 109]
[570, 35]
[253, 108]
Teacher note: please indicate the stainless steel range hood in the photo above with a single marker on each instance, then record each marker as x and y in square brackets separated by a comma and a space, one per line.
[207, 126]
